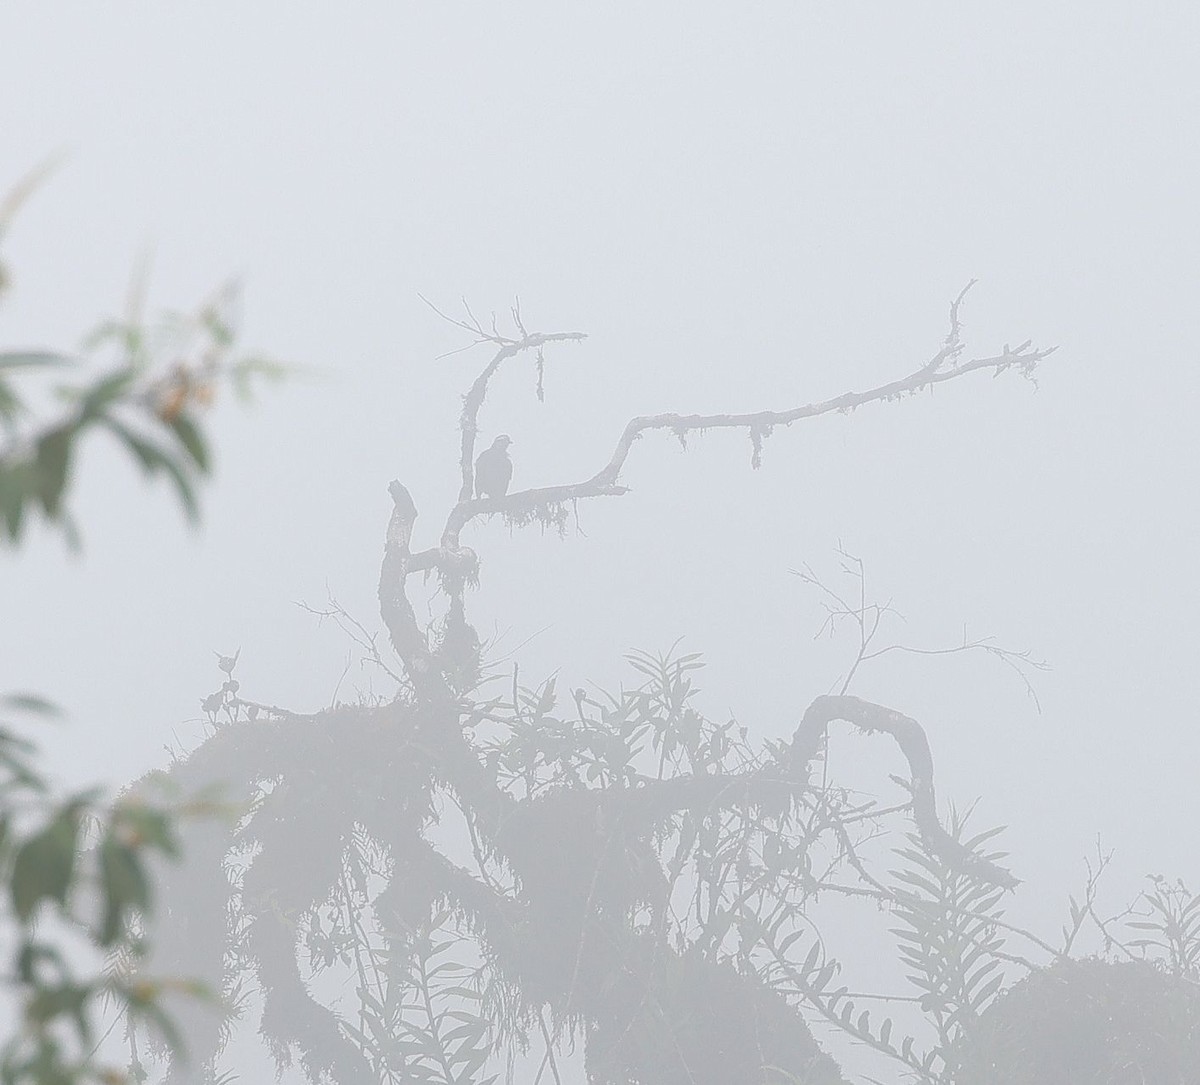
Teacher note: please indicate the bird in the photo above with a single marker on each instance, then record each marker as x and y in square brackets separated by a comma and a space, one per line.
[493, 469]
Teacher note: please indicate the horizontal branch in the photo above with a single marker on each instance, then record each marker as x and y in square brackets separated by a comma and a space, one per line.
[938, 370]
[764, 421]
[521, 505]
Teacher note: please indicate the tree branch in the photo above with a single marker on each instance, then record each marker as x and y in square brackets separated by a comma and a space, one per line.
[940, 368]
[458, 565]
[473, 400]
[394, 606]
[910, 737]
[509, 347]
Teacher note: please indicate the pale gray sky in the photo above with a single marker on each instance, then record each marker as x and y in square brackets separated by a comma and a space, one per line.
[744, 206]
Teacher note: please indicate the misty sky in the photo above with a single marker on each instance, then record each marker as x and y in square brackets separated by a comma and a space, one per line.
[744, 206]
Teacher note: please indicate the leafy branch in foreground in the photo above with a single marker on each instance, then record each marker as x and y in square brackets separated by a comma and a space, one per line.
[150, 408]
[78, 873]
[158, 377]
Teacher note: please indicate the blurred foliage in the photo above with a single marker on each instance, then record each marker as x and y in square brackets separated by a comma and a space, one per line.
[78, 873]
[151, 409]
[154, 380]
[78, 882]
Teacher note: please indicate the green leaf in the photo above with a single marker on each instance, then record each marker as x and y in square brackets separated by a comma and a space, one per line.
[185, 490]
[30, 702]
[124, 885]
[14, 756]
[107, 391]
[45, 864]
[153, 459]
[11, 406]
[32, 359]
[15, 489]
[63, 1000]
[192, 439]
[52, 456]
[70, 532]
[30, 955]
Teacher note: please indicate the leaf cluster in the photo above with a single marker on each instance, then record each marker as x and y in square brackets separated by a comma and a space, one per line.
[75, 871]
[424, 1024]
[154, 382]
[154, 379]
[1170, 926]
[948, 936]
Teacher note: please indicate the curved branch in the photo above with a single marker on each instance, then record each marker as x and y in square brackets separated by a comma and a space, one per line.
[910, 737]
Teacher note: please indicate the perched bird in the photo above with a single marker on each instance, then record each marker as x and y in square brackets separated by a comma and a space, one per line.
[493, 469]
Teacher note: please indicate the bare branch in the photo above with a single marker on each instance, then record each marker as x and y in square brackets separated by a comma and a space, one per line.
[355, 630]
[953, 345]
[1017, 661]
[868, 617]
[759, 424]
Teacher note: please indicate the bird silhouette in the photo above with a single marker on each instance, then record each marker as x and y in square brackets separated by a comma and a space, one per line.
[493, 469]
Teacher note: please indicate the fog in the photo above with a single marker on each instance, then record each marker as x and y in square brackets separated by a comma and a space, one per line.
[745, 208]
